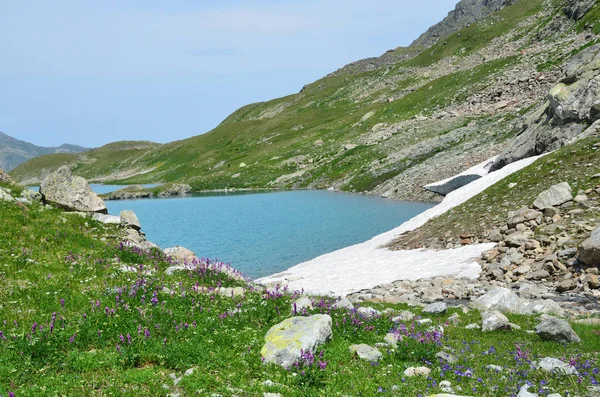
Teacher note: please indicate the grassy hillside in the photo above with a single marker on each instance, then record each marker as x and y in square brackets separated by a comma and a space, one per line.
[110, 161]
[75, 323]
[429, 115]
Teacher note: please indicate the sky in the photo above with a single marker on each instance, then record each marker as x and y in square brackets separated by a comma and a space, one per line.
[91, 72]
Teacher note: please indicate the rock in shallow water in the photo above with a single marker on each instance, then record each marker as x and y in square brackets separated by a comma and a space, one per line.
[285, 342]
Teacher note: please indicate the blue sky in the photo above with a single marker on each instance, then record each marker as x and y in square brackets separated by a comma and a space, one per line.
[92, 72]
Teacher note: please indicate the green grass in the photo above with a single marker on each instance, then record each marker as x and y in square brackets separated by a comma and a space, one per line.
[61, 266]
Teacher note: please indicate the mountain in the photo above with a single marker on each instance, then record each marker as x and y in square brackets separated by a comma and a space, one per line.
[474, 86]
[14, 152]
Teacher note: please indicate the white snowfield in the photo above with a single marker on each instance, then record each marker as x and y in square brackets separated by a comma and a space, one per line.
[368, 264]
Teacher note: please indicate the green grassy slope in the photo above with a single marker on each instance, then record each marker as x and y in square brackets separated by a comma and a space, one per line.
[73, 323]
[272, 144]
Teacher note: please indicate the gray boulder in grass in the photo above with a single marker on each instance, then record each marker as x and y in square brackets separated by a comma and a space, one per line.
[130, 219]
[71, 193]
[286, 341]
[553, 197]
[557, 330]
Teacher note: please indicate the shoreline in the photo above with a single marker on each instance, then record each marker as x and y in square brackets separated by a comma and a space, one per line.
[369, 264]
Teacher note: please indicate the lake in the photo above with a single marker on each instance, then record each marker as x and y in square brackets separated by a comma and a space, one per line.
[265, 233]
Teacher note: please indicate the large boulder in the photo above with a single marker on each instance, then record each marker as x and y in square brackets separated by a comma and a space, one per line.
[500, 299]
[130, 219]
[493, 321]
[72, 193]
[523, 215]
[557, 330]
[572, 106]
[576, 9]
[287, 341]
[589, 251]
[553, 197]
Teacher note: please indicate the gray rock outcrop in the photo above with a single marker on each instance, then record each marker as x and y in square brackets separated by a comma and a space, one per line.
[72, 193]
[557, 330]
[465, 13]
[572, 106]
[500, 299]
[176, 190]
[130, 192]
[589, 251]
[286, 341]
[553, 197]
[576, 9]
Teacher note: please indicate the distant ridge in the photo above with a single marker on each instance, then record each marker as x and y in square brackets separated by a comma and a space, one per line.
[14, 152]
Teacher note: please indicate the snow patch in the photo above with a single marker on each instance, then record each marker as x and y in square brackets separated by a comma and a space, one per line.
[448, 185]
[367, 264]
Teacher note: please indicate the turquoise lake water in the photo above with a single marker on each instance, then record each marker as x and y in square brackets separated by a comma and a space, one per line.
[265, 233]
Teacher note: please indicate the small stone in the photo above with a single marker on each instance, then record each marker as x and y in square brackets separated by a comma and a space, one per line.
[417, 371]
[554, 365]
[302, 304]
[566, 285]
[366, 352]
[447, 357]
[472, 326]
[404, 315]
[524, 392]
[368, 312]
[392, 339]
[343, 303]
[435, 308]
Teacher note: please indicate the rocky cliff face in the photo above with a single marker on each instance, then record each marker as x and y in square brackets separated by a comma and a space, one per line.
[572, 111]
[465, 13]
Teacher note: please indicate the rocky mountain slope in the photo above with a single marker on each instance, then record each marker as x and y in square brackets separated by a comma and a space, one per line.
[14, 152]
[392, 125]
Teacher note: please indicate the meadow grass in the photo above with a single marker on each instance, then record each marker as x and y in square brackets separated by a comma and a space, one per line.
[74, 322]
